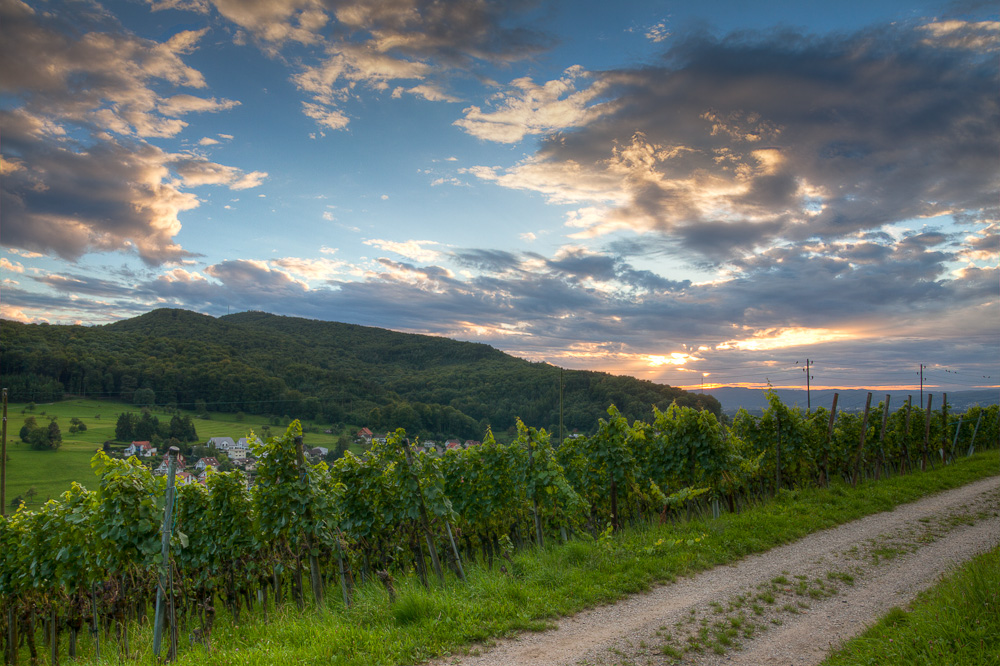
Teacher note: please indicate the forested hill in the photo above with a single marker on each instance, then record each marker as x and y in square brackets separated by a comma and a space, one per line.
[258, 363]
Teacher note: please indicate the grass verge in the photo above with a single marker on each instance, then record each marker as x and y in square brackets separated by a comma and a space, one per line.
[955, 622]
[540, 584]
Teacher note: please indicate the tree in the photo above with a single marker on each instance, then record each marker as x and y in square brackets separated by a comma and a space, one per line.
[125, 427]
[144, 397]
[146, 427]
[25, 433]
[54, 435]
[182, 429]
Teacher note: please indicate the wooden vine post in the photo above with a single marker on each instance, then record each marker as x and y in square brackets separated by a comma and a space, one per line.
[975, 431]
[829, 439]
[906, 433]
[315, 576]
[954, 444]
[428, 537]
[161, 588]
[539, 537]
[881, 439]
[861, 444]
[944, 428]
[927, 433]
[777, 459]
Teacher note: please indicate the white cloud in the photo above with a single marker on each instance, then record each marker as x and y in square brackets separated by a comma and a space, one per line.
[332, 118]
[658, 32]
[976, 36]
[527, 108]
[180, 104]
[195, 171]
[7, 265]
[411, 249]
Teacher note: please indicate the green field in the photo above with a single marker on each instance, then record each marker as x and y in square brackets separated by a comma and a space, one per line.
[50, 473]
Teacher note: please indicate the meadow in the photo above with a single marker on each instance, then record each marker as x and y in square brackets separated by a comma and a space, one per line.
[44, 475]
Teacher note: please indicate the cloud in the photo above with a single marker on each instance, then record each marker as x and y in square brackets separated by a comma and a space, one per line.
[195, 171]
[983, 36]
[14, 267]
[876, 298]
[110, 196]
[100, 78]
[657, 32]
[430, 92]
[371, 44]
[78, 175]
[527, 108]
[411, 249]
[313, 270]
[256, 278]
[734, 144]
[330, 118]
[178, 105]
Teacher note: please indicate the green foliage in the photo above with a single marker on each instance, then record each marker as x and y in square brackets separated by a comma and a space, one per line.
[252, 363]
[47, 438]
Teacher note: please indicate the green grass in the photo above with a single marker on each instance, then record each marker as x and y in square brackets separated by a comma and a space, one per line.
[541, 585]
[50, 473]
[955, 622]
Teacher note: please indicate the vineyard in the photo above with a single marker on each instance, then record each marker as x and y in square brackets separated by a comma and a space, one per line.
[137, 549]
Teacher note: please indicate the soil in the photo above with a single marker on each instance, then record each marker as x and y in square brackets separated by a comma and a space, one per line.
[789, 606]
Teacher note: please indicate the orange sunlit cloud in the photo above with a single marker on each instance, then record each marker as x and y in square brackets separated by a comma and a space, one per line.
[773, 338]
[675, 358]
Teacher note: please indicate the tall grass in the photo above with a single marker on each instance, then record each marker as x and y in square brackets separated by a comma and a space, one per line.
[957, 622]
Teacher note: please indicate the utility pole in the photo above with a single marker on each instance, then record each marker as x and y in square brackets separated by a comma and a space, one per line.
[922, 366]
[3, 457]
[561, 433]
[808, 385]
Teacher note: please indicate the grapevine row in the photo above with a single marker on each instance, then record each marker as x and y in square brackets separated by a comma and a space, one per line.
[91, 561]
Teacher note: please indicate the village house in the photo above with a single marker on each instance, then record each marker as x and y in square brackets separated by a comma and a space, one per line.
[236, 450]
[163, 466]
[140, 449]
[204, 463]
[365, 435]
[472, 442]
[221, 443]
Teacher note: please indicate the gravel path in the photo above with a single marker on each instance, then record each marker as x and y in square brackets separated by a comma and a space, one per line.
[787, 606]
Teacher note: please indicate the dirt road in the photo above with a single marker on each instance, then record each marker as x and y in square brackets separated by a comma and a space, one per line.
[787, 606]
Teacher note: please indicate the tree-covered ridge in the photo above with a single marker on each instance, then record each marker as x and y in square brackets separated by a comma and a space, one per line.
[259, 363]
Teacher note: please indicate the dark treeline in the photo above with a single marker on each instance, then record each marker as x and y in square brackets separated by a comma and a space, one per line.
[335, 373]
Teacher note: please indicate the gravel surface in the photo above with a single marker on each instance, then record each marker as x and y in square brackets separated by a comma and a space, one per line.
[787, 606]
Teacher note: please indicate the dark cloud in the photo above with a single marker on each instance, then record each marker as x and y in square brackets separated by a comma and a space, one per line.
[751, 139]
[494, 261]
[80, 92]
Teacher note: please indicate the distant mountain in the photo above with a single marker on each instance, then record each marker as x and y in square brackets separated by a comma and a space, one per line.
[755, 400]
[336, 373]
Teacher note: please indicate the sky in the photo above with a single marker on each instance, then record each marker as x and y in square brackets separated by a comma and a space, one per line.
[698, 194]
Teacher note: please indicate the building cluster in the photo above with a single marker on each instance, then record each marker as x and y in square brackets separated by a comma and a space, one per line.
[365, 437]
